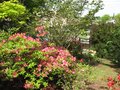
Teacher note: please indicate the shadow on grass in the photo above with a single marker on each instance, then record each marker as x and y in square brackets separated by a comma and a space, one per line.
[116, 67]
[97, 88]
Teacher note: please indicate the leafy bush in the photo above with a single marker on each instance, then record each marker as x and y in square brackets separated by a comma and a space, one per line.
[11, 10]
[101, 36]
[14, 17]
[105, 38]
[113, 47]
[90, 56]
[37, 62]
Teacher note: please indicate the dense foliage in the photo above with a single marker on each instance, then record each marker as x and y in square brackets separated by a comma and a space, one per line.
[101, 35]
[113, 47]
[105, 37]
[13, 16]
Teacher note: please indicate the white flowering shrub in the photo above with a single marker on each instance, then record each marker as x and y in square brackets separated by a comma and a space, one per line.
[90, 55]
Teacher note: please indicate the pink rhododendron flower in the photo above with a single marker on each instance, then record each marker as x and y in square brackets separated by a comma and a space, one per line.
[23, 35]
[25, 64]
[3, 41]
[73, 58]
[28, 86]
[39, 28]
[81, 60]
[37, 75]
[41, 31]
[73, 72]
[18, 58]
[39, 69]
[64, 63]
[14, 74]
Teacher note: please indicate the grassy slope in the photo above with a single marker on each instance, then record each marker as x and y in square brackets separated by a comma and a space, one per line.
[100, 74]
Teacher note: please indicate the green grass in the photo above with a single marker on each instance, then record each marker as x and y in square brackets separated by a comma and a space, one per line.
[94, 77]
[101, 72]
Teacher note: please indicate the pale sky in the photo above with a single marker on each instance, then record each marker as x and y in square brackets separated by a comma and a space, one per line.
[110, 7]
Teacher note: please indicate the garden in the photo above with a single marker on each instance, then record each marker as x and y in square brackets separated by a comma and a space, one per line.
[58, 45]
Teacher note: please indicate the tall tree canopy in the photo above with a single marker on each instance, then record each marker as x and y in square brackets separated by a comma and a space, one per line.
[64, 19]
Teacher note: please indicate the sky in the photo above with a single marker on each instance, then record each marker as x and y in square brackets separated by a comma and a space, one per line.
[110, 7]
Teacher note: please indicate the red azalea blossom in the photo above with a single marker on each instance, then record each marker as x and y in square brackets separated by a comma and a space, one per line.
[118, 77]
[110, 83]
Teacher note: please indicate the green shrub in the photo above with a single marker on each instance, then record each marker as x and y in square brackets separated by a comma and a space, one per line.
[90, 56]
[100, 37]
[106, 42]
[11, 10]
[14, 17]
[113, 47]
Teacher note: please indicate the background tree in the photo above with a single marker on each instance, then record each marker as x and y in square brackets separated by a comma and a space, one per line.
[65, 19]
[102, 34]
[117, 20]
[105, 18]
[105, 38]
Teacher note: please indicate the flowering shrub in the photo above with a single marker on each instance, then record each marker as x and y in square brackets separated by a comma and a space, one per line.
[89, 55]
[114, 84]
[92, 53]
[37, 62]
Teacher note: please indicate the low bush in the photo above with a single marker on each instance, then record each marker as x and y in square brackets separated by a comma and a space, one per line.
[39, 63]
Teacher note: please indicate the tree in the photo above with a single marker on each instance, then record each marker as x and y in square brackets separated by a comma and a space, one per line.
[103, 33]
[65, 19]
[13, 16]
[117, 20]
[105, 18]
